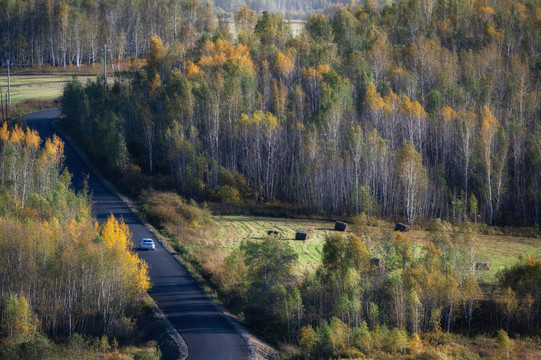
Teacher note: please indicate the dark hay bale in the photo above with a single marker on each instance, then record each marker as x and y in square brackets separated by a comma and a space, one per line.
[301, 236]
[482, 266]
[401, 227]
[376, 262]
[340, 226]
[274, 233]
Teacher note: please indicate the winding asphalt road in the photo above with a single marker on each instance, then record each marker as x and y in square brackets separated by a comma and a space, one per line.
[206, 332]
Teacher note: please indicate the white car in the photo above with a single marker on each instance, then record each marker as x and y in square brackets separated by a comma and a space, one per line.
[147, 244]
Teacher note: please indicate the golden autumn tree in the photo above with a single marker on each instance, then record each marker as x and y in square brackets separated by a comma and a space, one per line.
[283, 64]
[117, 238]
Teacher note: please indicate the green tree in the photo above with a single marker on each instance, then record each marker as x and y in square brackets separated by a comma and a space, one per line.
[19, 323]
[308, 341]
[269, 263]
[402, 247]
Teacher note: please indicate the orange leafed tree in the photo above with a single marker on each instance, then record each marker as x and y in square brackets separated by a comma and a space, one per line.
[283, 64]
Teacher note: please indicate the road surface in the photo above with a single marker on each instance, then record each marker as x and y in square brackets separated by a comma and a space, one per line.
[206, 332]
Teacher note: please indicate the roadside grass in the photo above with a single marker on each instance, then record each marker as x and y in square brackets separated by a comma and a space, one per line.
[37, 86]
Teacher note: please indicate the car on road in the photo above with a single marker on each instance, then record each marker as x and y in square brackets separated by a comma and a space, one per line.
[147, 244]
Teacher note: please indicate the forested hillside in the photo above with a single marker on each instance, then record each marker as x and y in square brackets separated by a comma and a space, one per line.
[424, 109]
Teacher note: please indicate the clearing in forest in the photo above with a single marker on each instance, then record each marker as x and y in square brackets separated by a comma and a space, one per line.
[234, 229]
[497, 250]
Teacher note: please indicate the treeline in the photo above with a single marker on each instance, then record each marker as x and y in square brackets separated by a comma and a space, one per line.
[373, 295]
[66, 32]
[414, 111]
[61, 33]
[60, 272]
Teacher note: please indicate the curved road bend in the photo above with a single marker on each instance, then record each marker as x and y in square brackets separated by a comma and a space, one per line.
[191, 312]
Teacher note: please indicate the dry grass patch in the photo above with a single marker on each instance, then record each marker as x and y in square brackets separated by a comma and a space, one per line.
[38, 86]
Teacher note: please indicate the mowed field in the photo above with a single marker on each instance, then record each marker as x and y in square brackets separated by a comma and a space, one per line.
[234, 229]
[498, 251]
[37, 86]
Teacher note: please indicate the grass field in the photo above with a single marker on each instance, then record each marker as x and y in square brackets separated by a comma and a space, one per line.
[37, 86]
[233, 229]
[498, 251]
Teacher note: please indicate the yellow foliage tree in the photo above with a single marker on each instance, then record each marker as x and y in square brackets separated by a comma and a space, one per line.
[117, 237]
[208, 48]
[31, 139]
[448, 114]
[4, 132]
[192, 69]
[489, 128]
[402, 246]
[17, 135]
[373, 99]
[413, 178]
[284, 64]
[156, 59]
[493, 150]
[415, 345]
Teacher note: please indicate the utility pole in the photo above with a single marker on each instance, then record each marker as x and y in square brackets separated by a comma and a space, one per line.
[104, 67]
[105, 50]
[9, 86]
[2, 103]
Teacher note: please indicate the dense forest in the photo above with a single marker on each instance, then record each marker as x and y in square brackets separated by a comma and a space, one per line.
[421, 110]
[60, 272]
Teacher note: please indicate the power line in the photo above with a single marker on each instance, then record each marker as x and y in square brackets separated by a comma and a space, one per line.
[8, 65]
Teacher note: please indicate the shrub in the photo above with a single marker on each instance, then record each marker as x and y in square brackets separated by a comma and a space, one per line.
[76, 343]
[149, 353]
[37, 348]
[166, 208]
[224, 194]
